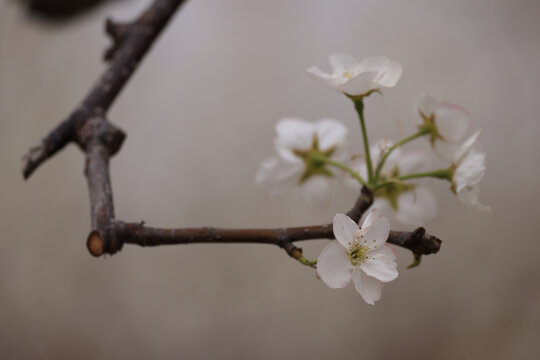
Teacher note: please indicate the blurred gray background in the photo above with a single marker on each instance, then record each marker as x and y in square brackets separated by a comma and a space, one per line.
[199, 115]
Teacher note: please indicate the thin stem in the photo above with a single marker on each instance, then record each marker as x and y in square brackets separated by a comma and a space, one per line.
[340, 166]
[445, 174]
[307, 262]
[423, 131]
[359, 105]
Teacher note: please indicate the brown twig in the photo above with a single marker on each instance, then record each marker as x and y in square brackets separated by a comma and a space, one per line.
[418, 241]
[130, 44]
[99, 139]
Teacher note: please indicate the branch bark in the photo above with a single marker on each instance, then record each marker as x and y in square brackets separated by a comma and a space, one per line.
[418, 241]
[100, 140]
[130, 44]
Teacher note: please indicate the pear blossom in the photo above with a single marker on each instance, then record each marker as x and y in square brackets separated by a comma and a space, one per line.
[411, 203]
[447, 123]
[360, 255]
[297, 143]
[469, 167]
[359, 78]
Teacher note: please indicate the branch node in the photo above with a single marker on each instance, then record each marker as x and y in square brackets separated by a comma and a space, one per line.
[117, 31]
[99, 129]
[423, 243]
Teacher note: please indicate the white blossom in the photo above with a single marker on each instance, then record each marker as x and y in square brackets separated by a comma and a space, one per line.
[359, 78]
[448, 123]
[360, 255]
[296, 143]
[412, 203]
[469, 167]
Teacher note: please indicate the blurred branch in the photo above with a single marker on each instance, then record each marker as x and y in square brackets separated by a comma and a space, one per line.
[129, 47]
[60, 9]
[99, 139]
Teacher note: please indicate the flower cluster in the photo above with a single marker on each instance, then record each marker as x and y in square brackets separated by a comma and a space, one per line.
[314, 156]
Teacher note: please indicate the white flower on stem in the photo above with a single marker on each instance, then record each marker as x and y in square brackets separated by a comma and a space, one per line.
[469, 167]
[297, 143]
[412, 203]
[447, 123]
[360, 255]
[359, 78]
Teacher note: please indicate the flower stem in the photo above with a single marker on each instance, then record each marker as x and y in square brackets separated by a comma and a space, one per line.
[445, 174]
[340, 166]
[423, 131]
[359, 105]
[416, 261]
[307, 262]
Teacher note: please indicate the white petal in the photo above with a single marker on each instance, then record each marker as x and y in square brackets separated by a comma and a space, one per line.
[334, 266]
[342, 63]
[388, 251]
[288, 155]
[369, 288]
[383, 205]
[469, 197]
[329, 80]
[372, 215]
[470, 170]
[316, 192]
[416, 207]
[445, 150]
[359, 165]
[466, 146]
[452, 121]
[391, 75]
[380, 267]
[360, 84]
[275, 174]
[375, 63]
[375, 230]
[331, 133]
[295, 134]
[412, 162]
[427, 104]
[344, 229]
[340, 154]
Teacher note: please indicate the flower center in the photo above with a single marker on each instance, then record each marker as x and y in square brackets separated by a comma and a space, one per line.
[358, 253]
[348, 73]
[431, 127]
[393, 191]
[311, 157]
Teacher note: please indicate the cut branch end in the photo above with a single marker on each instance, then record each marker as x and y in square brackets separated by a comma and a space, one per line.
[95, 244]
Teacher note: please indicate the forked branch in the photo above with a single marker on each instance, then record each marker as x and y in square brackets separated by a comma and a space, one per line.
[99, 140]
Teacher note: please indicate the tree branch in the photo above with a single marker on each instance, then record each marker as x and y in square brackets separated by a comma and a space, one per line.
[418, 241]
[130, 44]
[99, 139]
